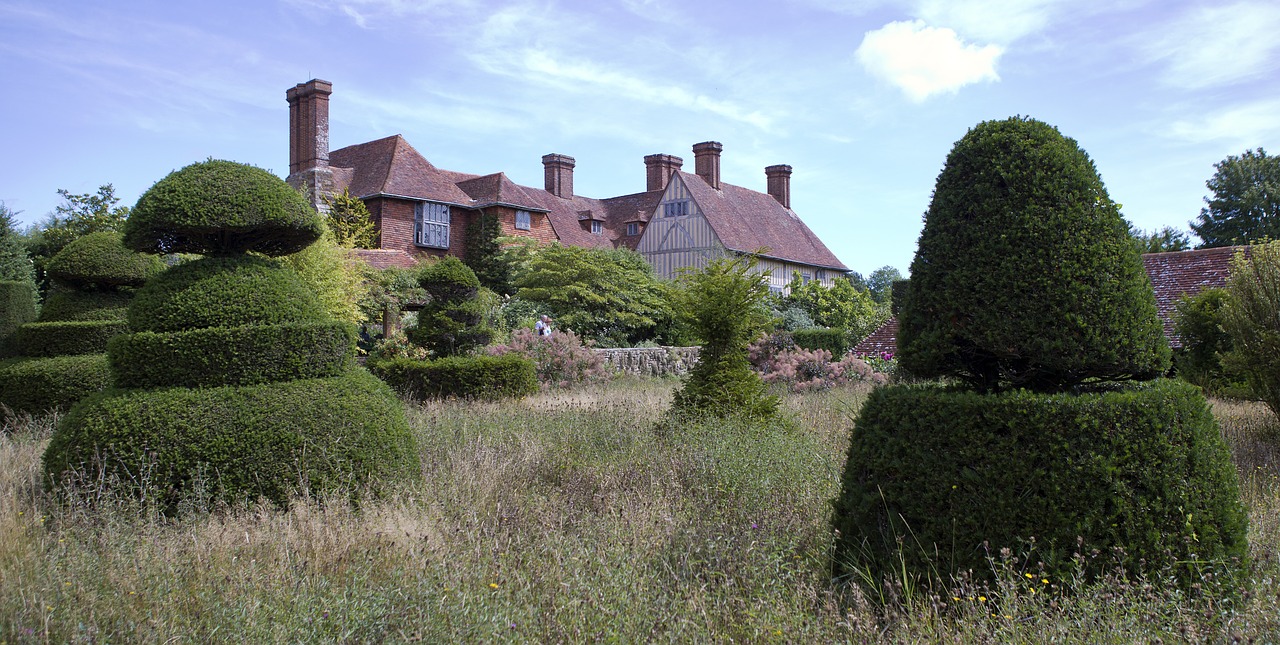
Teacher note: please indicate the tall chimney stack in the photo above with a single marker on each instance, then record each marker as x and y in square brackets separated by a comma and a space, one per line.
[558, 173]
[778, 179]
[309, 138]
[658, 169]
[706, 161]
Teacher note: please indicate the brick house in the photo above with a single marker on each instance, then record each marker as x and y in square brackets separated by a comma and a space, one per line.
[681, 219]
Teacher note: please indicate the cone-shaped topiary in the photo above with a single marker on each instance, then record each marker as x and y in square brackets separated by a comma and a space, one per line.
[235, 380]
[1025, 275]
[452, 323]
[222, 208]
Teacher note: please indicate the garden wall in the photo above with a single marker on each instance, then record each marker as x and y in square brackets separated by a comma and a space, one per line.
[651, 361]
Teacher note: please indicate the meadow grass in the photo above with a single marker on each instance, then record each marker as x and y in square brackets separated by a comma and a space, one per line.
[569, 517]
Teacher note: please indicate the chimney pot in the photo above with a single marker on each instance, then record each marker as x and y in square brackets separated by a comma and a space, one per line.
[778, 179]
[706, 162]
[658, 169]
[558, 173]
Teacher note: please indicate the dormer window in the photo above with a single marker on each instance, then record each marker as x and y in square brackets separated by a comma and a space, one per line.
[431, 225]
[523, 219]
[597, 227]
[633, 229]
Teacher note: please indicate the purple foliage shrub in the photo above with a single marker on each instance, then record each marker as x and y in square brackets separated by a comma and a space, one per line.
[801, 370]
[561, 360]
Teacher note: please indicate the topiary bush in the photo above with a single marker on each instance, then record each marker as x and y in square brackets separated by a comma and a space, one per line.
[68, 305]
[222, 208]
[67, 338]
[100, 261]
[17, 307]
[939, 480]
[1028, 296]
[1025, 275]
[452, 322]
[237, 443]
[466, 377]
[242, 385]
[39, 385]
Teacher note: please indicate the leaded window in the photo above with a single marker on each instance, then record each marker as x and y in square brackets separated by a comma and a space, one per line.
[431, 225]
[523, 220]
[633, 228]
[597, 227]
[679, 208]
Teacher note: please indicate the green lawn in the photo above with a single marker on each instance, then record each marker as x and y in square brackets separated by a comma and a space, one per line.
[566, 517]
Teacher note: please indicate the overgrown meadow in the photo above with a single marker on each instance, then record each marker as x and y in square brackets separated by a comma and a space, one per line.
[572, 517]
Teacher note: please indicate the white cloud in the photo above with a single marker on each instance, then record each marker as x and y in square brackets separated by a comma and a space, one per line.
[1215, 46]
[1243, 126]
[923, 61]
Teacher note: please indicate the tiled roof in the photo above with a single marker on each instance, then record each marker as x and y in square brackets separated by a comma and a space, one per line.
[1172, 274]
[748, 221]
[391, 166]
[386, 258]
[1180, 273]
[498, 189]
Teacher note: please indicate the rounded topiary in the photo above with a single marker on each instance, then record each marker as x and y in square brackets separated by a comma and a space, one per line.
[71, 304]
[939, 480]
[38, 385]
[1025, 275]
[221, 208]
[224, 292]
[452, 322]
[101, 261]
[67, 338]
[310, 436]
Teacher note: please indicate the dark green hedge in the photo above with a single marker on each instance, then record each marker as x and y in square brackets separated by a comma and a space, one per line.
[834, 340]
[933, 474]
[341, 434]
[101, 261]
[232, 355]
[482, 377]
[220, 208]
[224, 292]
[17, 307]
[66, 338]
[37, 385]
[65, 305]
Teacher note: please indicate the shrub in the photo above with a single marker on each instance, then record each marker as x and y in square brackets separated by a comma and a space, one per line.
[1252, 318]
[17, 305]
[100, 261]
[834, 341]
[1198, 323]
[1025, 275]
[560, 360]
[469, 377]
[223, 292]
[452, 323]
[334, 273]
[939, 480]
[807, 370]
[222, 208]
[725, 305]
[345, 433]
[246, 355]
[67, 338]
[68, 304]
[38, 385]
[397, 345]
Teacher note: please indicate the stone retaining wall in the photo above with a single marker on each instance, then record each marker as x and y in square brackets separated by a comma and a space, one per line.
[651, 361]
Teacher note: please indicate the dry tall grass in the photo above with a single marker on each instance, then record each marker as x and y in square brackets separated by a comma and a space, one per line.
[562, 518]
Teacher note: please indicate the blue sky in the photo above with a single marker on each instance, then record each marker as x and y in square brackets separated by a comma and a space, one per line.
[864, 98]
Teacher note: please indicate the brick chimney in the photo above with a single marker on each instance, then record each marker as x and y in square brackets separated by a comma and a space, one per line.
[778, 179]
[706, 162]
[309, 138]
[658, 169]
[558, 170]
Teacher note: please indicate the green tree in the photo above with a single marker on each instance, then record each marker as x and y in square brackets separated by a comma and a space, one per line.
[1252, 317]
[607, 295]
[1197, 322]
[332, 271]
[880, 283]
[725, 306]
[483, 249]
[1245, 206]
[350, 222]
[841, 305]
[1025, 275]
[15, 264]
[1163, 240]
[452, 323]
[75, 217]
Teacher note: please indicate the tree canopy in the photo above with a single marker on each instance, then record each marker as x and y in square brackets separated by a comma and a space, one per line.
[15, 264]
[1245, 205]
[1164, 240]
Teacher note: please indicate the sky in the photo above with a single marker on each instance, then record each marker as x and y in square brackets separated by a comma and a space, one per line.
[863, 98]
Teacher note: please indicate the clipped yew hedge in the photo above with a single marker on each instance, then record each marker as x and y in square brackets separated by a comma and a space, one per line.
[38, 385]
[834, 340]
[224, 292]
[17, 305]
[67, 338]
[470, 377]
[939, 480]
[232, 355]
[68, 305]
[237, 444]
[101, 261]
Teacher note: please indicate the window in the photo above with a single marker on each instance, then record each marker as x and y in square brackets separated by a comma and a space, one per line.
[633, 228]
[522, 220]
[597, 227]
[676, 209]
[431, 225]
[805, 278]
[820, 275]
